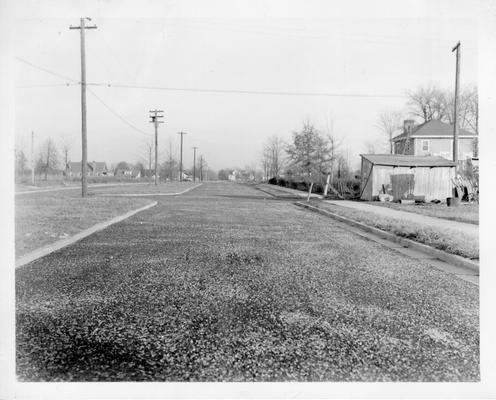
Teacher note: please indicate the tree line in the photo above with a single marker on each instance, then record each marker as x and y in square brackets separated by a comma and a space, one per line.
[428, 103]
[311, 155]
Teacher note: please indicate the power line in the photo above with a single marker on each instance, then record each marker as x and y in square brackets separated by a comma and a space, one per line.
[116, 114]
[46, 85]
[238, 91]
[46, 70]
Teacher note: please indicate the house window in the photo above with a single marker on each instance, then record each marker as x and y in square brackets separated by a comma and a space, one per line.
[425, 145]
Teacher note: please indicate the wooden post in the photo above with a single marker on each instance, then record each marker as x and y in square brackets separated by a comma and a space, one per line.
[309, 191]
[327, 184]
[457, 84]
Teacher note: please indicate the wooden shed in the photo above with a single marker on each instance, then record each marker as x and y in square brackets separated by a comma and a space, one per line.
[427, 176]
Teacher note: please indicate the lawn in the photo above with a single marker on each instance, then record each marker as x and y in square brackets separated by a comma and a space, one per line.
[468, 213]
[44, 218]
[451, 241]
[235, 286]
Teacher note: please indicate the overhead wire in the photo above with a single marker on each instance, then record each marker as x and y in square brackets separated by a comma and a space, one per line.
[240, 91]
[117, 114]
[46, 70]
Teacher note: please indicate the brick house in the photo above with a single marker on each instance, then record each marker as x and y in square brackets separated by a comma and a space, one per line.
[434, 138]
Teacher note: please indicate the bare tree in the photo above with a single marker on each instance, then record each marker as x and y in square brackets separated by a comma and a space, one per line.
[428, 103]
[170, 166]
[434, 103]
[49, 157]
[20, 163]
[389, 122]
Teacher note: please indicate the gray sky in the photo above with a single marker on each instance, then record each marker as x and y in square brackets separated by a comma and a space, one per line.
[380, 48]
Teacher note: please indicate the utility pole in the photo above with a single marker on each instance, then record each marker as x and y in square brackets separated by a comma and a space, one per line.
[84, 161]
[201, 168]
[32, 157]
[457, 85]
[155, 116]
[194, 164]
[181, 159]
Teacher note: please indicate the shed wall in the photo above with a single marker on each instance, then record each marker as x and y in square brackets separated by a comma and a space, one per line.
[431, 182]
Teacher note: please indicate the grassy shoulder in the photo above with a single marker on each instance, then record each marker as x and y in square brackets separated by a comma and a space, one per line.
[451, 241]
[468, 213]
[44, 218]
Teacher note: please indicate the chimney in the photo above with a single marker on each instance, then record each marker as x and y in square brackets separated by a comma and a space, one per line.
[408, 125]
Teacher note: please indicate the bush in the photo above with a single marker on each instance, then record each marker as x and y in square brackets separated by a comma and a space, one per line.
[273, 181]
[281, 182]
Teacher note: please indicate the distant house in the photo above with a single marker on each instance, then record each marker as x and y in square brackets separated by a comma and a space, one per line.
[403, 175]
[242, 175]
[94, 168]
[434, 138]
[127, 172]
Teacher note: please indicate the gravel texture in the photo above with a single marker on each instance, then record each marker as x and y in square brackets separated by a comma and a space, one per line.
[224, 284]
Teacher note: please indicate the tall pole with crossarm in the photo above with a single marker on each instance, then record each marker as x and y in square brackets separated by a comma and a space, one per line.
[194, 163]
[155, 116]
[457, 86]
[181, 158]
[84, 161]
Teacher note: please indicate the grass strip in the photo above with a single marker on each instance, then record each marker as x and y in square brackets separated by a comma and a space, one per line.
[448, 240]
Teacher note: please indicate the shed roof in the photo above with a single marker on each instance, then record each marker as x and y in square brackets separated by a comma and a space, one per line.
[433, 128]
[398, 160]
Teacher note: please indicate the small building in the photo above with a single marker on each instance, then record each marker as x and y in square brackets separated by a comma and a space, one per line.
[404, 175]
[434, 138]
[94, 168]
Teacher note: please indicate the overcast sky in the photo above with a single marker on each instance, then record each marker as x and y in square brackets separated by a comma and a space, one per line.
[348, 49]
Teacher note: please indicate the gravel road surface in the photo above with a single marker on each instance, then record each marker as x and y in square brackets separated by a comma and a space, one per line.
[225, 283]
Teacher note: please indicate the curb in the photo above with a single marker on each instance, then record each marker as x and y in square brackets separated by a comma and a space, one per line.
[43, 251]
[149, 194]
[441, 255]
[297, 193]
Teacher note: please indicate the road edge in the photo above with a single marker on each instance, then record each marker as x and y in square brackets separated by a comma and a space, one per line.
[441, 255]
[149, 194]
[43, 251]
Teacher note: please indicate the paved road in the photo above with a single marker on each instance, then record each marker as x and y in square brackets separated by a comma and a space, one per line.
[227, 283]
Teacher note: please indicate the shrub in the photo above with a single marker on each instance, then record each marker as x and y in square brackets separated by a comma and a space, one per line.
[273, 181]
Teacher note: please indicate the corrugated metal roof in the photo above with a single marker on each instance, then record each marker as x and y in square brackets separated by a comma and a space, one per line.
[433, 128]
[397, 160]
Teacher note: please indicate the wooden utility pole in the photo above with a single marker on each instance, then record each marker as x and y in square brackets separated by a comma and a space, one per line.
[32, 157]
[201, 168]
[194, 164]
[84, 161]
[155, 120]
[457, 85]
[181, 157]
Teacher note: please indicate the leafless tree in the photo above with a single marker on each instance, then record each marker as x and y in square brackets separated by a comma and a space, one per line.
[428, 103]
[389, 122]
[273, 156]
[431, 102]
[48, 158]
[170, 166]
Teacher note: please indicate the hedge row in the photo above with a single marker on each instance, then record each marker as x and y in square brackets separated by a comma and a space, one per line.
[353, 185]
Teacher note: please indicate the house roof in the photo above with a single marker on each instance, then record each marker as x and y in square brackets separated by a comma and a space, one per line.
[433, 127]
[397, 160]
[75, 166]
[98, 166]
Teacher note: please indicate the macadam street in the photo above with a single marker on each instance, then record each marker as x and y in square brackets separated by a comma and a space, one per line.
[228, 283]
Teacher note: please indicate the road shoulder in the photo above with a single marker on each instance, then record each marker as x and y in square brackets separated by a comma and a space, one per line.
[43, 251]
